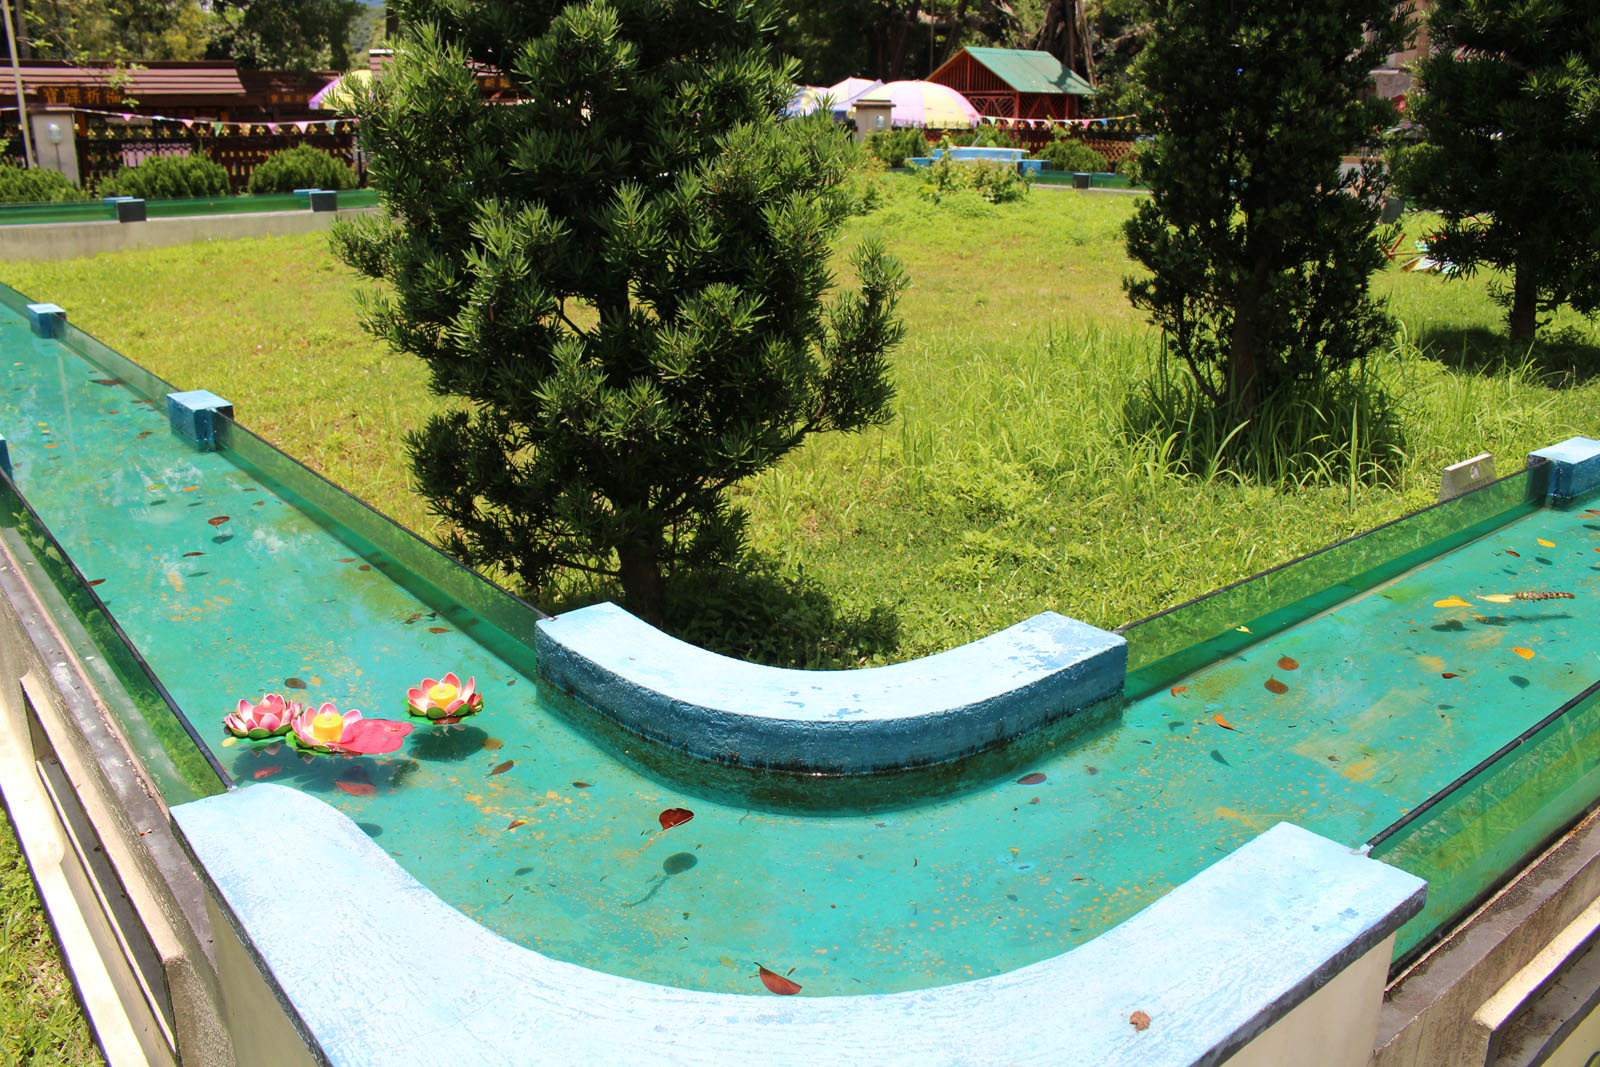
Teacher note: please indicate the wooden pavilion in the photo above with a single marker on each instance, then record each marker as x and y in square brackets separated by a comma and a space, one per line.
[1013, 83]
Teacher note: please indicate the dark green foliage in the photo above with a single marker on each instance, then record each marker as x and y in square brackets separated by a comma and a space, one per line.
[1509, 109]
[621, 280]
[301, 167]
[1259, 252]
[1068, 153]
[168, 178]
[895, 146]
[303, 35]
[36, 185]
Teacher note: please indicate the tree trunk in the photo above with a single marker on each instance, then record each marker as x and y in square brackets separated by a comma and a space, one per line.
[644, 593]
[1524, 305]
[1244, 369]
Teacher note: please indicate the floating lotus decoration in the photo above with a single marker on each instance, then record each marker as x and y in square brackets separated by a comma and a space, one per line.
[349, 733]
[445, 700]
[272, 717]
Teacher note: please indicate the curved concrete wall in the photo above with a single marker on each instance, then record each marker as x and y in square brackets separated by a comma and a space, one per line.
[925, 711]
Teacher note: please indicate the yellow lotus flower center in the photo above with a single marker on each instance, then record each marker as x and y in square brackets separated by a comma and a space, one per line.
[443, 693]
[327, 726]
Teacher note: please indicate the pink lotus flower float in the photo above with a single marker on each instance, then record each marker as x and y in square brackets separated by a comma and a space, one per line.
[446, 700]
[272, 717]
[349, 733]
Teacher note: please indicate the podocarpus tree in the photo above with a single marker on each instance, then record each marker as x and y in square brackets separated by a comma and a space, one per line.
[1509, 107]
[620, 274]
[1259, 251]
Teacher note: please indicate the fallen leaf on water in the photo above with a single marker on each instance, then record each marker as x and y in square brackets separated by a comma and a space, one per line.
[188, 489]
[1242, 629]
[580, 785]
[502, 768]
[265, 772]
[492, 743]
[1525, 653]
[1179, 689]
[96, 581]
[294, 683]
[356, 789]
[345, 559]
[1031, 779]
[1139, 1021]
[217, 520]
[1275, 686]
[364, 567]
[1224, 723]
[1511, 553]
[1498, 598]
[106, 381]
[186, 555]
[777, 983]
[674, 817]
[1447, 674]
[1451, 602]
[1546, 544]
[516, 823]
[438, 629]
[1287, 663]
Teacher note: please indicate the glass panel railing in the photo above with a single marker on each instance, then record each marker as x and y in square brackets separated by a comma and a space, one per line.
[1487, 824]
[180, 765]
[61, 211]
[100, 211]
[1181, 639]
[441, 581]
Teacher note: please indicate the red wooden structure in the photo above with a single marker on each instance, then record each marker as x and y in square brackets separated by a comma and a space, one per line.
[1011, 83]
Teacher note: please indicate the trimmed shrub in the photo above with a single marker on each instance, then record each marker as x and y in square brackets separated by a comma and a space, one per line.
[991, 179]
[894, 147]
[300, 167]
[1065, 153]
[169, 178]
[36, 185]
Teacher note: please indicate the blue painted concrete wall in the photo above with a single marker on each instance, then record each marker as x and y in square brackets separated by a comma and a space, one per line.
[379, 971]
[925, 711]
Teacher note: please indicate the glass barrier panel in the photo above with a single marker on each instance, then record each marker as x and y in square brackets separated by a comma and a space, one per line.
[454, 590]
[1181, 639]
[1493, 820]
[225, 205]
[65, 211]
[179, 763]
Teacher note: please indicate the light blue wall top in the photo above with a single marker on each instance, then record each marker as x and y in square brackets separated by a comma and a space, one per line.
[923, 711]
[380, 971]
[1577, 466]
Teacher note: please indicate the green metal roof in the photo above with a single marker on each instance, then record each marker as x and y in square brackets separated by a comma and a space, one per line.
[1031, 72]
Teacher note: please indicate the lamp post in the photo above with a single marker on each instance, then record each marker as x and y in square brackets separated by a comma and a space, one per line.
[16, 77]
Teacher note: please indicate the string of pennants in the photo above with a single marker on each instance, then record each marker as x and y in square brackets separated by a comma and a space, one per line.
[216, 127]
[1104, 120]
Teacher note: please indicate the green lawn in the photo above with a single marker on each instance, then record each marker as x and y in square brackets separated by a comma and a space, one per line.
[1018, 475]
[39, 1018]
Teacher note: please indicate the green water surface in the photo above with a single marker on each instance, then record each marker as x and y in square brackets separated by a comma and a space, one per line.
[545, 826]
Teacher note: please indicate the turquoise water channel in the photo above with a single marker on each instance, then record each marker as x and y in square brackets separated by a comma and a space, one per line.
[546, 828]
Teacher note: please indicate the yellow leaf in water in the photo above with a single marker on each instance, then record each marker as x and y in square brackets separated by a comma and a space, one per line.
[1525, 653]
[1498, 598]
[1451, 602]
[1547, 544]
[1242, 629]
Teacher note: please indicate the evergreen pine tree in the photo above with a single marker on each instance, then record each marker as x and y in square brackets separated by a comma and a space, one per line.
[1509, 107]
[618, 276]
[1259, 252]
